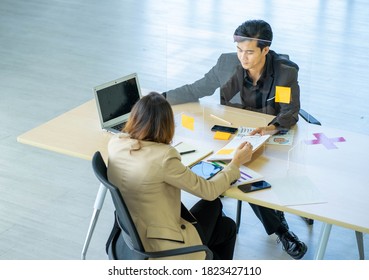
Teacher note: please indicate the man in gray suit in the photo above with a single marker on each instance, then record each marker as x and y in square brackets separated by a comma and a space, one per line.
[250, 79]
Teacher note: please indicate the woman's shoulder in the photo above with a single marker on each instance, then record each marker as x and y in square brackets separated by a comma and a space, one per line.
[118, 138]
[124, 139]
[165, 151]
[165, 148]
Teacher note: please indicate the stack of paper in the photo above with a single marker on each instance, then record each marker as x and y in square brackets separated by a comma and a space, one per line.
[227, 152]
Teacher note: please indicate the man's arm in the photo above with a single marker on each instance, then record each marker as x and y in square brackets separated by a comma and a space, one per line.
[207, 85]
[288, 114]
[192, 92]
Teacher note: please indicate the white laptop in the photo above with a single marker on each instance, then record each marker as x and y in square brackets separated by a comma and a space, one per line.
[115, 100]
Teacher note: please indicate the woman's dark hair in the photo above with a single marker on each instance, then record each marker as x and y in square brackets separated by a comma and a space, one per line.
[151, 119]
[254, 29]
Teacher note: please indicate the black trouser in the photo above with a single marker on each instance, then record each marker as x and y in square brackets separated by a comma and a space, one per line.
[217, 231]
[269, 218]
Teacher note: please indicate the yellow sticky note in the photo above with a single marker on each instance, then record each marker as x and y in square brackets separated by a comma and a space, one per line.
[225, 151]
[188, 122]
[282, 94]
[219, 135]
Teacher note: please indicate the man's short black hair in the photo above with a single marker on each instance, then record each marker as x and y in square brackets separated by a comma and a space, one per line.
[255, 29]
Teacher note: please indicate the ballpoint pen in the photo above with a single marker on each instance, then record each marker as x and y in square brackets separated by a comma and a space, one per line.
[187, 152]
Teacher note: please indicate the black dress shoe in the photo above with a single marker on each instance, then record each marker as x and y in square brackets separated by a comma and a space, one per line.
[292, 245]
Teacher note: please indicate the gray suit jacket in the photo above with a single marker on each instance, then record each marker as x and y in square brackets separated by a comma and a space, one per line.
[214, 79]
[280, 72]
[150, 180]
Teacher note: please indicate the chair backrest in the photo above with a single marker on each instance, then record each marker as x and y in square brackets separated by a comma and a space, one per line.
[123, 218]
[125, 243]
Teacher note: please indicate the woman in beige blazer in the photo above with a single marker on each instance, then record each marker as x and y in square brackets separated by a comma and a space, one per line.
[149, 173]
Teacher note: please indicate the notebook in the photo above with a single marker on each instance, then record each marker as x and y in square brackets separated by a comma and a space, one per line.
[114, 101]
[190, 154]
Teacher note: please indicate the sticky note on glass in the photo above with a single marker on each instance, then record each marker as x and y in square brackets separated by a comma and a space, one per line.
[225, 151]
[219, 135]
[188, 122]
[282, 94]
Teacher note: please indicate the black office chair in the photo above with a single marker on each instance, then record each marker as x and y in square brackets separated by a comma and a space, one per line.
[309, 118]
[124, 242]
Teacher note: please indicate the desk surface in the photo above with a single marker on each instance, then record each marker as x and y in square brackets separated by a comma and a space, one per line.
[76, 133]
[330, 161]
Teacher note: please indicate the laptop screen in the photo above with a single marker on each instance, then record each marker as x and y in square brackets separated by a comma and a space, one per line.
[115, 99]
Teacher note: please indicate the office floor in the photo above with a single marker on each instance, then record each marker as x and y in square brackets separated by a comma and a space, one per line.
[54, 52]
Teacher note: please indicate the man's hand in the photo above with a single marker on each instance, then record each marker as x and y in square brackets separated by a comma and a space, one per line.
[265, 130]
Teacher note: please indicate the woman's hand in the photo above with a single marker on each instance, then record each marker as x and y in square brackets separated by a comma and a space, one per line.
[243, 154]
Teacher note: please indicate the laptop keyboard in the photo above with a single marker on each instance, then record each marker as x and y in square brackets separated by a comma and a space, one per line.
[119, 126]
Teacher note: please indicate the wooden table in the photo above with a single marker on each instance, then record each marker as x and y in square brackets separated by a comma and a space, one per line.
[329, 164]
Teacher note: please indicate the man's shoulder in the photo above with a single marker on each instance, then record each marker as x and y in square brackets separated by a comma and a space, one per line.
[282, 60]
[229, 57]
[227, 63]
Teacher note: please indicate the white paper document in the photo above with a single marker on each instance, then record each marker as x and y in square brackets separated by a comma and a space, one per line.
[227, 152]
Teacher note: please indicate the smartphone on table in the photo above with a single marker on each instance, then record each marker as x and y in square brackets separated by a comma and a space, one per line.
[223, 128]
[255, 186]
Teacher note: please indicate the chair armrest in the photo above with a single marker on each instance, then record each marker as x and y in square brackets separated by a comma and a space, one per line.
[182, 251]
[309, 118]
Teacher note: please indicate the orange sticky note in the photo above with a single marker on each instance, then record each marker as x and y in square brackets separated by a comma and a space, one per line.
[225, 151]
[219, 135]
[188, 122]
[282, 94]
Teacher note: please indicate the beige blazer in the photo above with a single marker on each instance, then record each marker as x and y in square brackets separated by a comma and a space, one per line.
[150, 180]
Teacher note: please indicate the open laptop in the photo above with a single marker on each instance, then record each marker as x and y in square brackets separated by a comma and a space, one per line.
[115, 100]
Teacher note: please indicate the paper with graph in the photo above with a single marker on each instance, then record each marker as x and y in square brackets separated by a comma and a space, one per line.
[247, 175]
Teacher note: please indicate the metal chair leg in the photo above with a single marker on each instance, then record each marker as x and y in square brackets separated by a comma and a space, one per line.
[238, 217]
[360, 244]
[99, 201]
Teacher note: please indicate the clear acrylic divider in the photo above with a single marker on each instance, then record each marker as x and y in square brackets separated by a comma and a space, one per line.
[245, 121]
[296, 186]
[189, 125]
[296, 159]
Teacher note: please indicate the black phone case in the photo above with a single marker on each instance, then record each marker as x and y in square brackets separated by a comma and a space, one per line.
[246, 188]
[223, 128]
